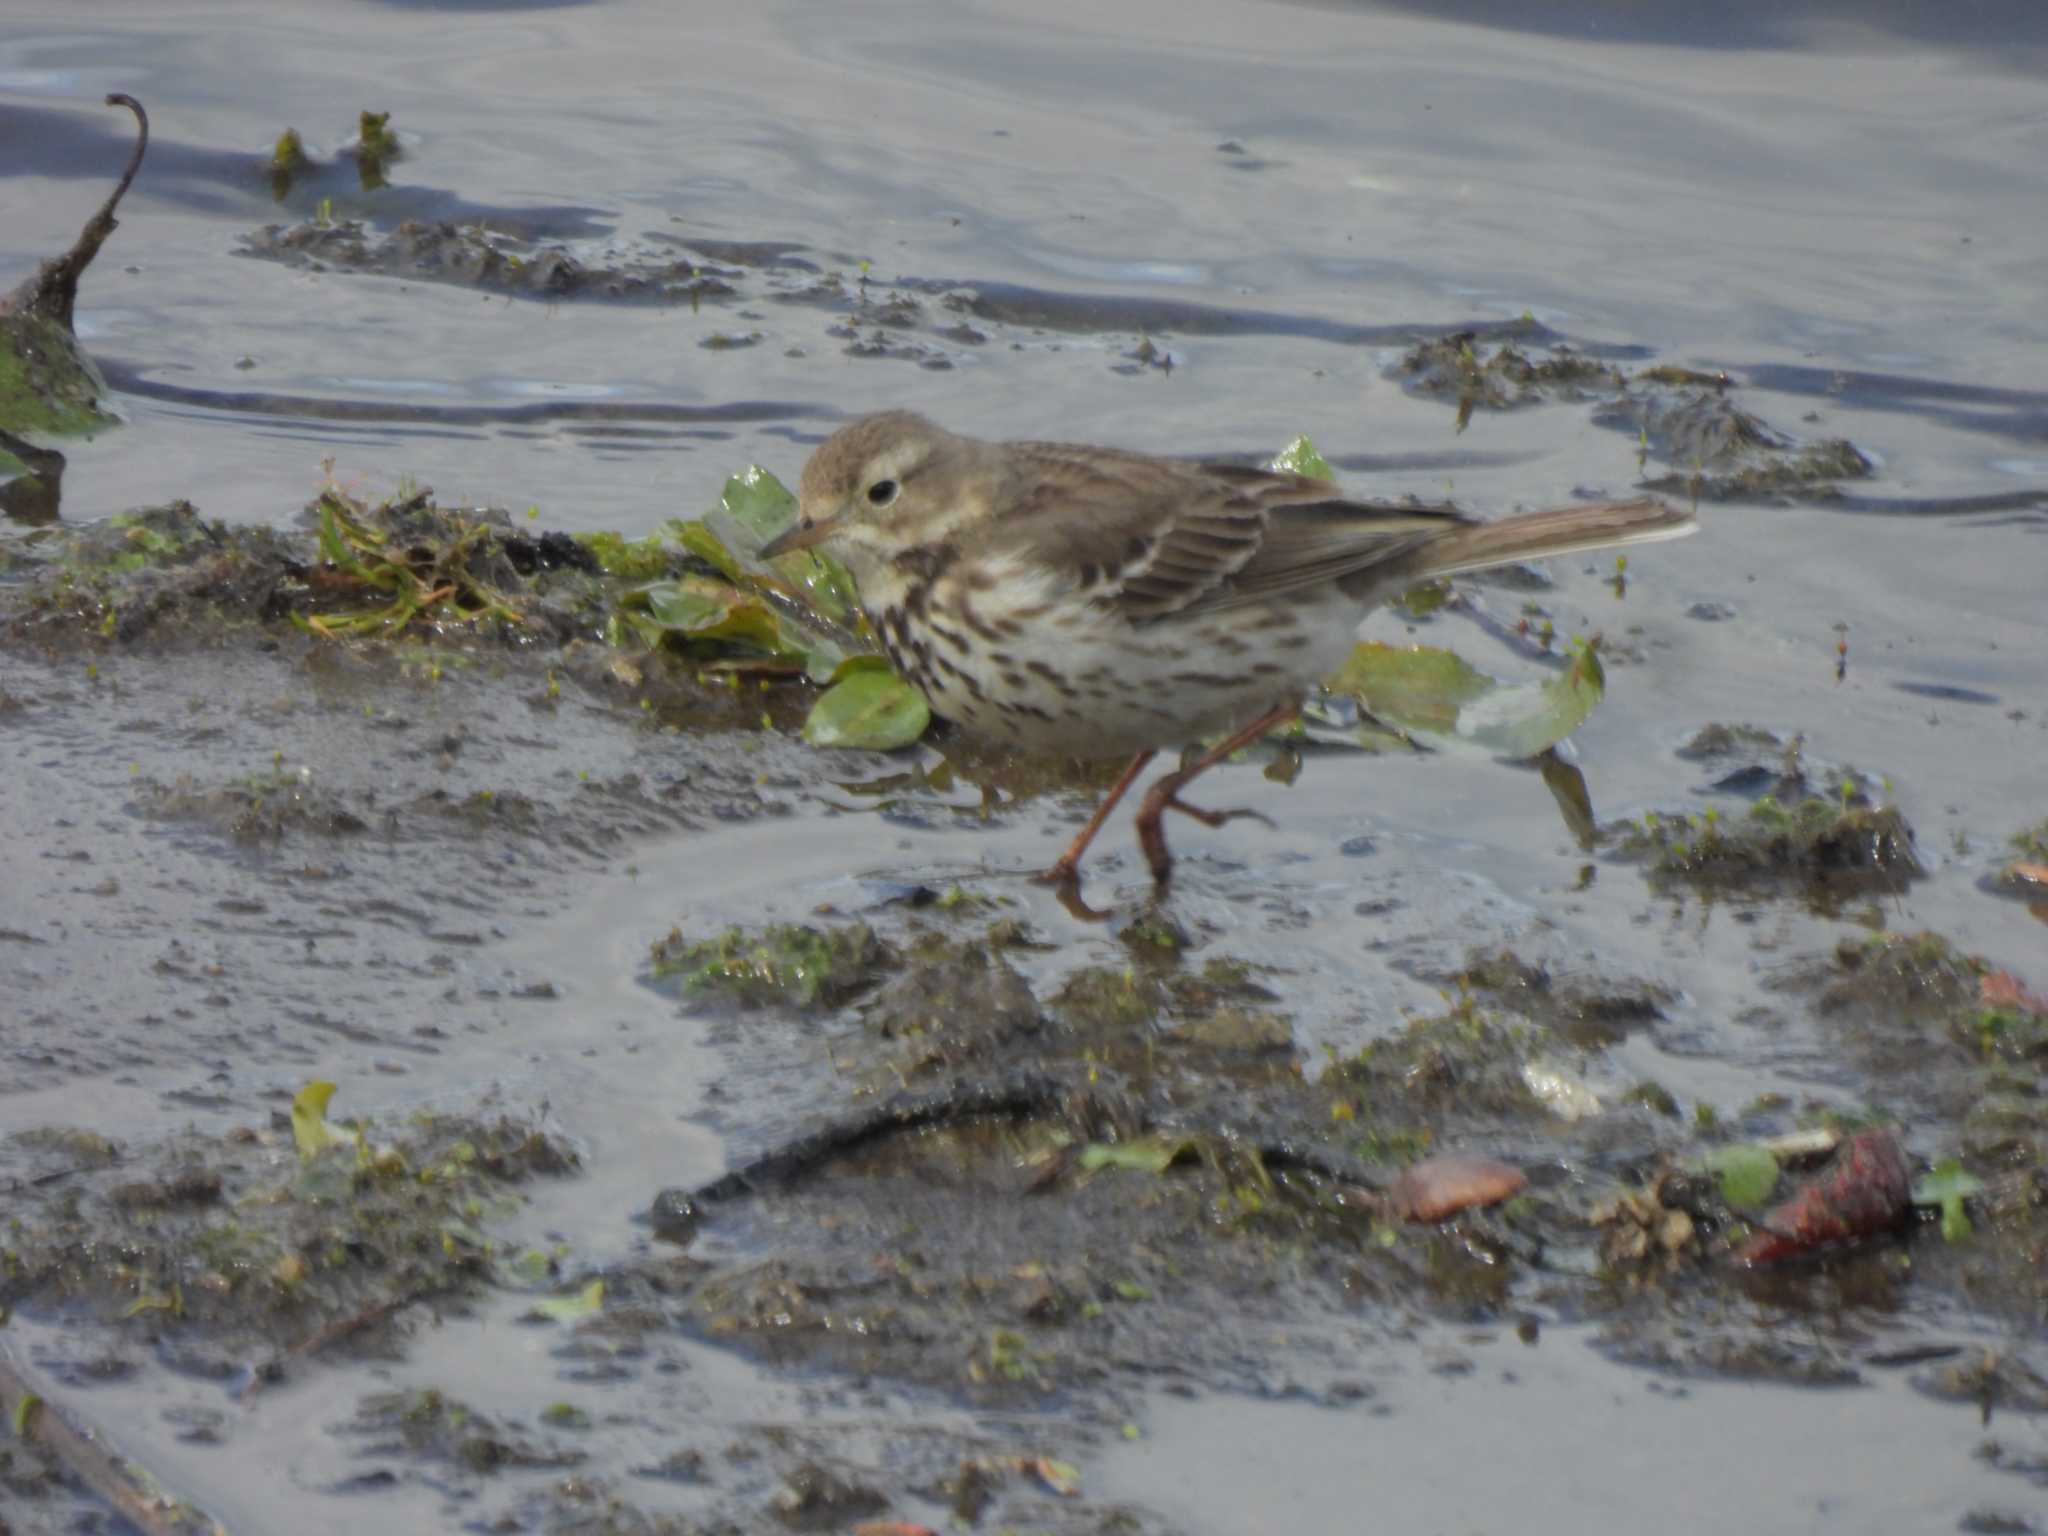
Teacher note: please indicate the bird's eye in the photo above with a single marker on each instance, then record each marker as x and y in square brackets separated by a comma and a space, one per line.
[881, 493]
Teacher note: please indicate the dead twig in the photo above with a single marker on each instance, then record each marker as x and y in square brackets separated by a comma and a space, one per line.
[130, 1491]
[52, 294]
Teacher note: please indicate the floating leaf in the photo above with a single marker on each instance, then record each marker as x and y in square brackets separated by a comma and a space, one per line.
[1300, 458]
[310, 1129]
[1144, 1154]
[587, 1302]
[1062, 1477]
[1746, 1173]
[867, 706]
[1444, 701]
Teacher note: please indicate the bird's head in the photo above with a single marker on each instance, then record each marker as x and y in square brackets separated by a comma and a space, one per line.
[873, 489]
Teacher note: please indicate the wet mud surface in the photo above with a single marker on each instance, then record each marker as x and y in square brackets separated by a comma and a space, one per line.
[726, 1134]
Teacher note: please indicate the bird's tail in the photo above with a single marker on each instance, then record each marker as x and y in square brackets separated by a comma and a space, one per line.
[1557, 531]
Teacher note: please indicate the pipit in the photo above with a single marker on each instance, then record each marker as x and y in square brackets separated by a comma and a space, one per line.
[1065, 599]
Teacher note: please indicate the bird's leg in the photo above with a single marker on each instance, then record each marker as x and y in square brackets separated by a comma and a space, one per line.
[1164, 795]
[1066, 869]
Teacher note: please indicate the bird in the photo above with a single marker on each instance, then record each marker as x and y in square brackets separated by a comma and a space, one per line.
[1064, 598]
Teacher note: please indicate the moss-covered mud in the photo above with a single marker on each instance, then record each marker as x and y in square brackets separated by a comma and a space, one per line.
[397, 802]
[747, 1145]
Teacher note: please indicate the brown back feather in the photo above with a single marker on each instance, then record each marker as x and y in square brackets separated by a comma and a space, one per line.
[1156, 537]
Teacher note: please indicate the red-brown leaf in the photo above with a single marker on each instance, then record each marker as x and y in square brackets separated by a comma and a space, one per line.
[1437, 1188]
[1866, 1189]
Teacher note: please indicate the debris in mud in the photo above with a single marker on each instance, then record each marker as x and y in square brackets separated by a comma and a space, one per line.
[1437, 1188]
[1864, 1191]
[1642, 1235]
[1161, 1099]
[62, 1452]
[1712, 1205]
[1590, 1014]
[880, 341]
[814, 1497]
[411, 570]
[2031, 843]
[494, 261]
[1916, 977]
[1100, 1098]
[413, 564]
[787, 963]
[1453, 1069]
[264, 1252]
[1678, 416]
[1720, 452]
[49, 387]
[288, 162]
[2027, 875]
[375, 149]
[1145, 357]
[427, 1426]
[1834, 847]
[1819, 829]
[1461, 368]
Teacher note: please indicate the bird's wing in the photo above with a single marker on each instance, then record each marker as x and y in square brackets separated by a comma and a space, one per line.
[1152, 537]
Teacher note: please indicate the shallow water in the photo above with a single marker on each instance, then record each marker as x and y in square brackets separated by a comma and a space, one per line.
[1842, 206]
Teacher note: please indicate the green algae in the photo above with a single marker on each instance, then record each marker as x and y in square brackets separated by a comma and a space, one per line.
[791, 964]
[216, 1238]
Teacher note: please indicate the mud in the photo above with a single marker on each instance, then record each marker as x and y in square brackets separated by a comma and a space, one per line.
[820, 1168]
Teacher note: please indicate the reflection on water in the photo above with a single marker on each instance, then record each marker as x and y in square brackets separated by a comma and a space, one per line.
[1998, 28]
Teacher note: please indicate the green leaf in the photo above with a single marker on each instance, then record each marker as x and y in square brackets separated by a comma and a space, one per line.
[698, 540]
[759, 503]
[867, 706]
[587, 1302]
[1443, 701]
[1418, 687]
[1955, 1221]
[1948, 1186]
[1946, 1181]
[754, 509]
[705, 608]
[310, 1129]
[1143, 1154]
[1746, 1173]
[1300, 458]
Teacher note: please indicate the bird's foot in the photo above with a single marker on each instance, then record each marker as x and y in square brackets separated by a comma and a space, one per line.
[1216, 818]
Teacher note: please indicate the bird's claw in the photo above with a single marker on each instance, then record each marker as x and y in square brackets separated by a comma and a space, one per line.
[1217, 818]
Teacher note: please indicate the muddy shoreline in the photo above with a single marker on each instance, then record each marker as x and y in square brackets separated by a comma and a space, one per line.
[725, 1133]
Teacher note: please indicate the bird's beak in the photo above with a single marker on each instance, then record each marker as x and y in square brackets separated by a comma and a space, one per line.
[798, 536]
